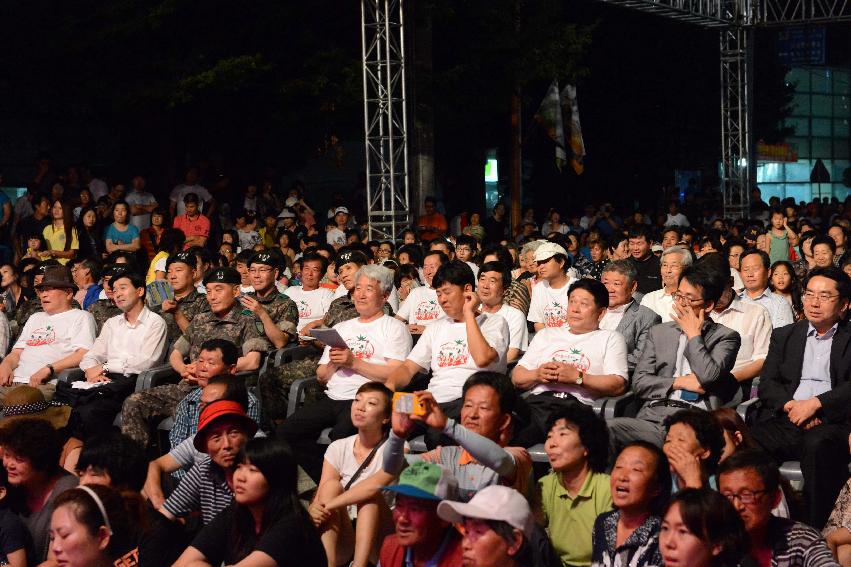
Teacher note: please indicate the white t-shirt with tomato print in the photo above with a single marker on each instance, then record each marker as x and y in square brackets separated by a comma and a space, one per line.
[312, 305]
[443, 348]
[374, 342]
[421, 307]
[48, 338]
[548, 305]
[597, 352]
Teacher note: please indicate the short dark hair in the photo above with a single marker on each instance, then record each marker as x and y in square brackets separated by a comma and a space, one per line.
[758, 461]
[673, 228]
[713, 519]
[438, 241]
[136, 279]
[92, 265]
[501, 252]
[34, 439]
[766, 259]
[121, 457]
[734, 242]
[640, 231]
[597, 290]
[501, 384]
[230, 354]
[414, 252]
[381, 389]
[823, 239]
[191, 198]
[315, 257]
[235, 389]
[809, 235]
[454, 272]
[593, 432]
[706, 429]
[710, 282]
[843, 282]
[497, 267]
[441, 255]
[245, 256]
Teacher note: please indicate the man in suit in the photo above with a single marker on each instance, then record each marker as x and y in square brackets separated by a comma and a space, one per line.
[805, 392]
[579, 362]
[685, 364]
[625, 313]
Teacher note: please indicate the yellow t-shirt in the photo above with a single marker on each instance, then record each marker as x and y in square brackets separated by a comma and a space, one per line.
[152, 271]
[56, 240]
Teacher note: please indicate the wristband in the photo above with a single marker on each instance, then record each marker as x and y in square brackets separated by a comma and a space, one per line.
[52, 370]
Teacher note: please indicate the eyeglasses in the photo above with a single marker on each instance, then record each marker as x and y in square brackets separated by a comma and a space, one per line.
[823, 296]
[745, 496]
[680, 298]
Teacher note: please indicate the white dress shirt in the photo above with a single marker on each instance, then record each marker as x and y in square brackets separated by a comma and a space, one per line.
[660, 302]
[613, 316]
[777, 307]
[753, 323]
[128, 349]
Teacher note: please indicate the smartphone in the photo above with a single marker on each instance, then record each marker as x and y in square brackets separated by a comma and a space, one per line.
[404, 402]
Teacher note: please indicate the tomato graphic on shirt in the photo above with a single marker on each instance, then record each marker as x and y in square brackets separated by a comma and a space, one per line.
[303, 309]
[453, 353]
[361, 347]
[41, 337]
[427, 311]
[573, 356]
[555, 314]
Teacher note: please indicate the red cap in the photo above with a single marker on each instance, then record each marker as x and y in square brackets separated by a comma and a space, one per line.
[216, 410]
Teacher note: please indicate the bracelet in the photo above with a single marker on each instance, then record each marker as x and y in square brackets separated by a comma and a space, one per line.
[52, 370]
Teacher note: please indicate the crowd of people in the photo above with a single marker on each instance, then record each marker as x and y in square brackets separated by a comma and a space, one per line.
[248, 381]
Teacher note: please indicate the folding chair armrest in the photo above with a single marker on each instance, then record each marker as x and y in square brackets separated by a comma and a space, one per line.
[156, 376]
[613, 406]
[745, 408]
[297, 391]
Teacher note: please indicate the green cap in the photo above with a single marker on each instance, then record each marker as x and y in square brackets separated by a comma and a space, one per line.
[426, 480]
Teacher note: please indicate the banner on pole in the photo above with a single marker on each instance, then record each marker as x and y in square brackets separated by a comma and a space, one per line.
[577, 144]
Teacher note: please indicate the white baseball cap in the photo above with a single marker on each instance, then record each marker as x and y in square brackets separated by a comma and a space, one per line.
[291, 201]
[286, 214]
[339, 210]
[501, 503]
[547, 250]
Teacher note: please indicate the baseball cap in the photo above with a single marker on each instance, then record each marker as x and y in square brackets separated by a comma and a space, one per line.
[501, 503]
[339, 210]
[427, 481]
[657, 248]
[286, 214]
[223, 275]
[291, 201]
[217, 410]
[547, 250]
[355, 256]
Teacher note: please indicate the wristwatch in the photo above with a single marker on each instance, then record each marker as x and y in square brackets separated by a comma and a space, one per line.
[579, 378]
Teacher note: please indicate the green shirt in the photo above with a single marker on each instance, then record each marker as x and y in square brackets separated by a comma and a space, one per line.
[779, 249]
[570, 521]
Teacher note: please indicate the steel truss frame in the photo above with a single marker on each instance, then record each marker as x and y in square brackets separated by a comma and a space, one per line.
[385, 117]
[735, 19]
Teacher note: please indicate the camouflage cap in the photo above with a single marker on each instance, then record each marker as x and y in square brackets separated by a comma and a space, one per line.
[185, 257]
[223, 275]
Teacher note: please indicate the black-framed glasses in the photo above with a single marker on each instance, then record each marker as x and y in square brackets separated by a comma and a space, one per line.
[745, 496]
[680, 298]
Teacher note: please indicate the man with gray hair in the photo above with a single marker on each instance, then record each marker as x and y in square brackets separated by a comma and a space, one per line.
[624, 313]
[376, 343]
[674, 260]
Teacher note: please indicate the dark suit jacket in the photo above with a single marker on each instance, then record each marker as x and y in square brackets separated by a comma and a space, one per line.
[634, 326]
[781, 373]
[711, 357]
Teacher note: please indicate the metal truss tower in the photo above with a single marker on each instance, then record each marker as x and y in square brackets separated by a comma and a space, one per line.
[385, 117]
[735, 20]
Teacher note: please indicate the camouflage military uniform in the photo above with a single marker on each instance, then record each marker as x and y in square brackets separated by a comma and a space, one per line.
[190, 305]
[101, 310]
[281, 309]
[149, 406]
[275, 386]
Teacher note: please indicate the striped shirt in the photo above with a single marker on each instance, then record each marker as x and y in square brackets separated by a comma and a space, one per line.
[794, 544]
[203, 488]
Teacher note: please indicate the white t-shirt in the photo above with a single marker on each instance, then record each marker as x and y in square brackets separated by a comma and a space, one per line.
[597, 352]
[142, 221]
[48, 338]
[443, 348]
[336, 237]
[373, 342]
[181, 190]
[312, 305]
[548, 305]
[421, 307]
[517, 327]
